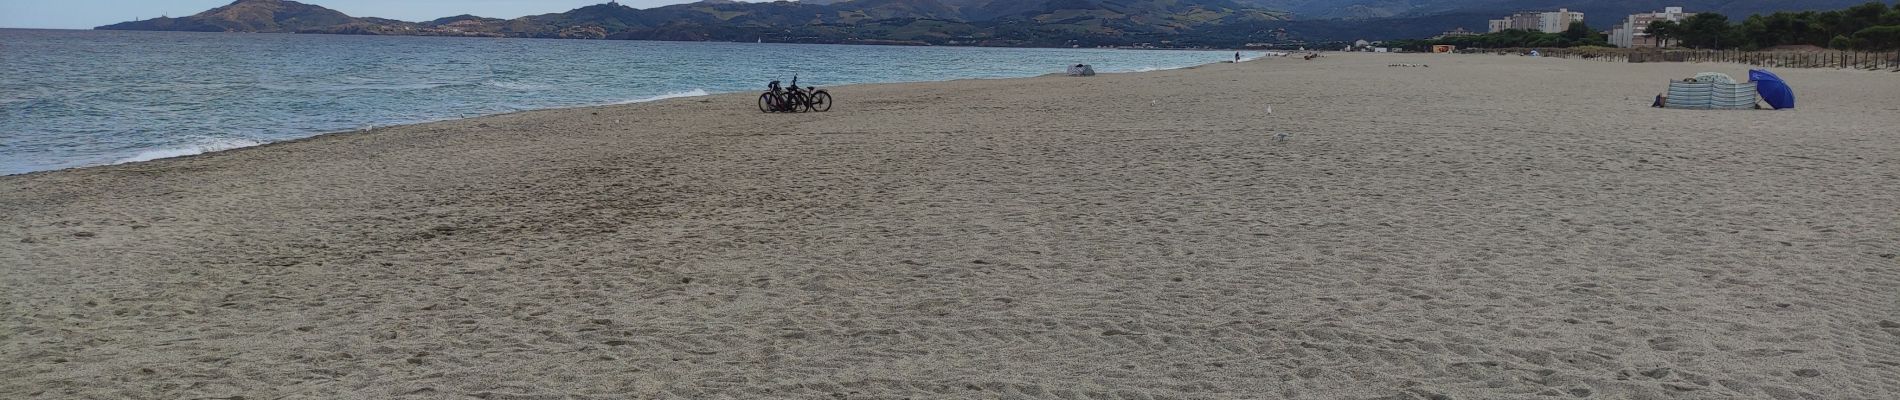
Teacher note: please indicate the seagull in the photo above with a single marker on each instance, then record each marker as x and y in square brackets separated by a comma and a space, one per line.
[1282, 137]
[1269, 110]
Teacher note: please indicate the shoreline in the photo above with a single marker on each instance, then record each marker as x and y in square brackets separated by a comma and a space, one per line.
[1489, 227]
[656, 98]
[665, 41]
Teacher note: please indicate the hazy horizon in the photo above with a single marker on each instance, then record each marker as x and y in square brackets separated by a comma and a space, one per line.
[86, 14]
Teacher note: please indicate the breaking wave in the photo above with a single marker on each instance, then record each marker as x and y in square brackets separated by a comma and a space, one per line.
[206, 145]
[675, 95]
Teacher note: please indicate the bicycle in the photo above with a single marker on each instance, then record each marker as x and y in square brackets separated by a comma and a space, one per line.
[794, 98]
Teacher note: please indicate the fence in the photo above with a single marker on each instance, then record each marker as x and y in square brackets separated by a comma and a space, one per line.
[1883, 61]
[1877, 61]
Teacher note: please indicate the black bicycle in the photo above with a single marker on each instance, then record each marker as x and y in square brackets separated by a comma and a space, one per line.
[794, 98]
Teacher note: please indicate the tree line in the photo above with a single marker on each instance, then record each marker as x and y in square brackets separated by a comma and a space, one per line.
[1870, 26]
[1579, 34]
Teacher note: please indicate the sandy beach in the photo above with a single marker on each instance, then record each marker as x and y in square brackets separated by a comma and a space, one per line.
[1491, 227]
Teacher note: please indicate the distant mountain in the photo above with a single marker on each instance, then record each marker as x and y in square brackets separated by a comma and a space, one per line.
[1057, 23]
[964, 22]
[247, 16]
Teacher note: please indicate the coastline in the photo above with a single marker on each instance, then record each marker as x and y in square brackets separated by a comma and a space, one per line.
[862, 43]
[228, 145]
[222, 138]
[1489, 227]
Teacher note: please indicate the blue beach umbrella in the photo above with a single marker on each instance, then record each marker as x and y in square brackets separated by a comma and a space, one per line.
[1772, 88]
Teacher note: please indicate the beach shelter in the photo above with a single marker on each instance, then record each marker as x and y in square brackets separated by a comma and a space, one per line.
[1711, 91]
[1081, 70]
[1714, 77]
[1772, 89]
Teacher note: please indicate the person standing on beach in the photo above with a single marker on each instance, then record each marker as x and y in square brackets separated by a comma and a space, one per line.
[1236, 57]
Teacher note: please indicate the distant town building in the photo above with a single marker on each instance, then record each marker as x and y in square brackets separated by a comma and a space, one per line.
[1459, 32]
[1633, 32]
[1547, 22]
[1363, 45]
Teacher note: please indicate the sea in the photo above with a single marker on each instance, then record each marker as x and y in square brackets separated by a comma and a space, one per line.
[72, 98]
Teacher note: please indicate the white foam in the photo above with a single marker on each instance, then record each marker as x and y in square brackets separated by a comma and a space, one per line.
[675, 95]
[1153, 69]
[514, 85]
[204, 145]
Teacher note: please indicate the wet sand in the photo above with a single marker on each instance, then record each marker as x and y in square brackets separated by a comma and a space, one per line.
[1486, 228]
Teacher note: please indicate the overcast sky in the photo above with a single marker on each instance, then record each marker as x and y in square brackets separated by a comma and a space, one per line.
[85, 14]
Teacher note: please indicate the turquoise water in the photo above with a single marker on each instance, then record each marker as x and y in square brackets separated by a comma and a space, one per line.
[79, 98]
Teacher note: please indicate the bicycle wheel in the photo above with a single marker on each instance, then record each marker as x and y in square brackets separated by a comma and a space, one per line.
[820, 101]
[768, 103]
[797, 102]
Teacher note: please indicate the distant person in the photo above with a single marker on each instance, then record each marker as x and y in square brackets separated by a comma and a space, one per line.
[1236, 57]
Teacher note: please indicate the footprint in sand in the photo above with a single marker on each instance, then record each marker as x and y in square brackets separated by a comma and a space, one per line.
[1667, 343]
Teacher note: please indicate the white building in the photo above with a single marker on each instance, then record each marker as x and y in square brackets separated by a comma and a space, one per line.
[1633, 32]
[1547, 22]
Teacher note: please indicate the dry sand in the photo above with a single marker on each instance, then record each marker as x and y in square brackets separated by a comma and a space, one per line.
[1487, 228]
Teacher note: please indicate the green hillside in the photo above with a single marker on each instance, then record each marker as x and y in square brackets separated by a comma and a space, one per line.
[937, 22]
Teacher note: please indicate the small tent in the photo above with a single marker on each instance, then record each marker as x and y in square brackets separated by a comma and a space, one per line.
[1081, 70]
[1772, 89]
